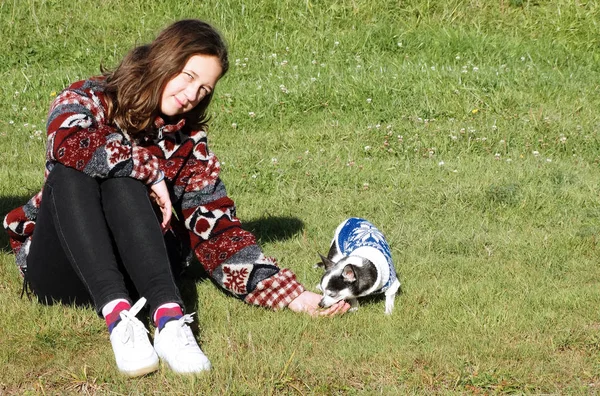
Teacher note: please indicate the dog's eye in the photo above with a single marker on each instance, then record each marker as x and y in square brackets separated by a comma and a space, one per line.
[331, 293]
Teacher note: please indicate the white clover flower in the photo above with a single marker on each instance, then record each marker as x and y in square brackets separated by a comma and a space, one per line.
[369, 100]
[254, 176]
[378, 126]
[273, 55]
[312, 79]
[234, 125]
[314, 62]
[508, 160]
[322, 65]
[536, 153]
[497, 155]
[336, 43]
[399, 43]
[441, 163]
[548, 159]
[284, 62]
[274, 160]
[475, 69]
[367, 148]
[453, 137]
[11, 122]
[457, 57]
[252, 114]
[562, 139]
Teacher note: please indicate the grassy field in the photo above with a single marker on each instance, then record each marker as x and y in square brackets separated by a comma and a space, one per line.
[467, 130]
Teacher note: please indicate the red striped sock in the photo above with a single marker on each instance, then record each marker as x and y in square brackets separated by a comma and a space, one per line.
[166, 313]
[112, 317]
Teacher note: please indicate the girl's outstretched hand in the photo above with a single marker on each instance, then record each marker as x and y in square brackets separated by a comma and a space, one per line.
[309, 302]
[160, 195]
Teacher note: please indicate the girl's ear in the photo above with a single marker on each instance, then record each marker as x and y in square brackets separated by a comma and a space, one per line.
[348, 273]
[325, 262]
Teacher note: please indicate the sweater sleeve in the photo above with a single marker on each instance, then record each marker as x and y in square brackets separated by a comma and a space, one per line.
[78, 137]
[20, 223]
[228, 253]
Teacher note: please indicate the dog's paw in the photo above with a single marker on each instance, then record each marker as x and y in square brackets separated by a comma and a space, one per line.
[353, 309]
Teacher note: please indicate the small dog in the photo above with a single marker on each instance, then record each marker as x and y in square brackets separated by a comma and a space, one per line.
[359, 263]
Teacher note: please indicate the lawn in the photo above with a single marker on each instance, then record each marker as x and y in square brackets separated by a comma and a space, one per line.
[466, 130]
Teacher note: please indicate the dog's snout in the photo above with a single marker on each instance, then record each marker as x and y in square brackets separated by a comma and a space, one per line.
[322, 304]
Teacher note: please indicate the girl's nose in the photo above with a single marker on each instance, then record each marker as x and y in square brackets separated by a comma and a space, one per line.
[192, 93]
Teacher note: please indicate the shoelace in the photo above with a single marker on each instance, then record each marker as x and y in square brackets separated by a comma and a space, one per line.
[133, 325]
[182, 322]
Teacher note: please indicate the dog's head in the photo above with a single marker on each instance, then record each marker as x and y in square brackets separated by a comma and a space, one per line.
[347, 278]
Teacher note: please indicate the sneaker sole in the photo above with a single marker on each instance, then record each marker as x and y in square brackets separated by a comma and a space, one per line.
[204, 370]
[141, 371]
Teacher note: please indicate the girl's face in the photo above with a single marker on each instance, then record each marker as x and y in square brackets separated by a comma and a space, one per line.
[197, 80]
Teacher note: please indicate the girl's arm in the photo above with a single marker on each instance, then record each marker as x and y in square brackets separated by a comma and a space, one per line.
[229, 254]
[78, 137]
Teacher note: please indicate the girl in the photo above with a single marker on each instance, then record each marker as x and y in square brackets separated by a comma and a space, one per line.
[117, 145]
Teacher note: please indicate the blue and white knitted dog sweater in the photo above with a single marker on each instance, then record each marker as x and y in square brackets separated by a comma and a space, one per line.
[358, 237]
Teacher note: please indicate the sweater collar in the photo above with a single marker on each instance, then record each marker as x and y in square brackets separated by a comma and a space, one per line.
[163, 127]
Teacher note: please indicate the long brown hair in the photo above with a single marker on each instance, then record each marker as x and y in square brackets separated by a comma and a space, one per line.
[135, 87]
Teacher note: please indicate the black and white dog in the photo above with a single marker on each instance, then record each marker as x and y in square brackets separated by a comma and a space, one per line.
[359, 263]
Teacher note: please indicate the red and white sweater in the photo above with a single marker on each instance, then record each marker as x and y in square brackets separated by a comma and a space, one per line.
[80, 137]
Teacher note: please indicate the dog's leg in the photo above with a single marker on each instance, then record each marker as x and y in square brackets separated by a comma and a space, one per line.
[353, 304]
[390, 296]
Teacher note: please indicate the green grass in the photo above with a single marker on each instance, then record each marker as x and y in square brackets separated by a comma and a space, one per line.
[468, 131]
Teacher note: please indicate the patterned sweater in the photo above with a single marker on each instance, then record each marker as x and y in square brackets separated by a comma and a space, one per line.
[80, 137]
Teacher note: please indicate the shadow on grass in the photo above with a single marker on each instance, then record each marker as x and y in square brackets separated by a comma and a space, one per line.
[271, 229]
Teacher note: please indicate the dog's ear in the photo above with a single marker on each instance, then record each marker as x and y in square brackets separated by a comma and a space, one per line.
[348, 273]
[325, 262]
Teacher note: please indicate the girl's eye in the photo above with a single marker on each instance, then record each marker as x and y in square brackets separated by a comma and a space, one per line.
[188, 76]
[204, 91]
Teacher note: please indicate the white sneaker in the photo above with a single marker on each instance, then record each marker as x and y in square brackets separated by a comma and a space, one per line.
[134, 353]
[176, 346]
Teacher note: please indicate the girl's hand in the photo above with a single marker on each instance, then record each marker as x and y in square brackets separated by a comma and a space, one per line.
[309, 302]
[160, 195]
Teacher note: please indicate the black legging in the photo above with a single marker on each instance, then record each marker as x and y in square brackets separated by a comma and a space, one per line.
[96, 241]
